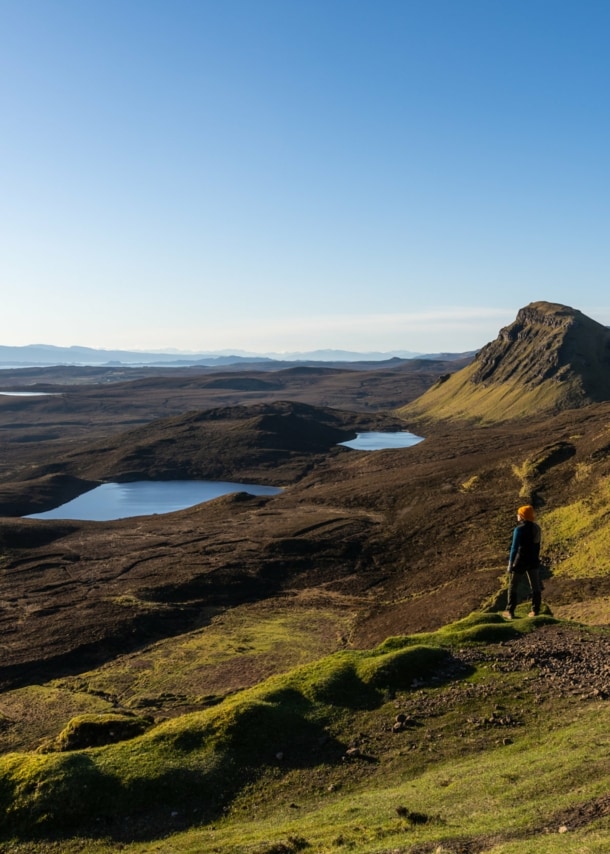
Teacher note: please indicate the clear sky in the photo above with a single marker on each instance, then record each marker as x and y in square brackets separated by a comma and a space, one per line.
[281, 175]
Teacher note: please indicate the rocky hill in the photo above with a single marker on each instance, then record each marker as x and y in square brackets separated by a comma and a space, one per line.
[550, 358]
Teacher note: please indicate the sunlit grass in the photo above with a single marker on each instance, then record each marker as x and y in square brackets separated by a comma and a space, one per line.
[238, 649]
[471, 484]
[516, 791]
[578, 536]
[36, 712]
[484, 794]
[458, 397]
[245, 643]
[461, 782]
[204, 756]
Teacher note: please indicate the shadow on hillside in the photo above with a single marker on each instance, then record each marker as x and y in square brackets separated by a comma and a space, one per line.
[133, 633]
[125, 801]
[187, 774]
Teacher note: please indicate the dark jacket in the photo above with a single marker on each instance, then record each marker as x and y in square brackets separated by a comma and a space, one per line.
[525, 547]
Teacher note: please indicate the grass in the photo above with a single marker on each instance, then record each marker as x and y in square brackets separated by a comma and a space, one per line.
[459, 398]
[481, 795]
[203, 755]
[90, 730]
[32, 714]
[525, 473]
[203, 661]
[486, 795]
[268, 770]
[192, 671]
[471, 484]
[577, 536]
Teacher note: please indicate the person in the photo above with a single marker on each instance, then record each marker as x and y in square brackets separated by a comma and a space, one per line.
[524, 558]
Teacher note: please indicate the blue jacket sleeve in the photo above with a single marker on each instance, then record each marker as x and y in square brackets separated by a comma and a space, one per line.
[514, 548]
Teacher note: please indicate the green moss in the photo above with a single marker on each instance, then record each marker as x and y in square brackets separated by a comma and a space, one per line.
[179, 670]
[478, 627]
[38, 792]
[95, 730]
[396, 670]
[577, 536]
[337, 682]
[483, 800]
[183, 760]
[39, 712]
[202, 760]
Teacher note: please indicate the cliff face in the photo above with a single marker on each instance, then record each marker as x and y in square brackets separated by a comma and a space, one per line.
[551, 357]
[548, 341]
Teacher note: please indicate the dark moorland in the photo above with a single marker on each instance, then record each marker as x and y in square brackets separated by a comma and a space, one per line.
[358, 548]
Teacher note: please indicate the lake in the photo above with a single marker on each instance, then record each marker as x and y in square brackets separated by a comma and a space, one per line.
[382, 441]
[112, 501]
[144, 498]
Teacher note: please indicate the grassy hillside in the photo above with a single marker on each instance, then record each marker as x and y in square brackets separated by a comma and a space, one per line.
[264, 730]
[326, 670]
[458, 396]
[451, 741]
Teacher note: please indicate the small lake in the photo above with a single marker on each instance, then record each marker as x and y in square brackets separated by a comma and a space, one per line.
[382, 441]
[112, 501]
[144, 498]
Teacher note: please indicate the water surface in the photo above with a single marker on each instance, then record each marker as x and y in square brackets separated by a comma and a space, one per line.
[145, 498]
[381, 441]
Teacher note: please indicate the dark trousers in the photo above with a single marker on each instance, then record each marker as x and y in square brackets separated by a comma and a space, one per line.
[533, 576]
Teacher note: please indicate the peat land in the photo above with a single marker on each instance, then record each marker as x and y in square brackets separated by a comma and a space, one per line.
[360, 547]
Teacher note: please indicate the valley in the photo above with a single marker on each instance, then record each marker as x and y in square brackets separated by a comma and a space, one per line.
[216, 638]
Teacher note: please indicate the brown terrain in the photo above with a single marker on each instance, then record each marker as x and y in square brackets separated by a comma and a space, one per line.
[61, 580]
[406, 540]
[108, 629]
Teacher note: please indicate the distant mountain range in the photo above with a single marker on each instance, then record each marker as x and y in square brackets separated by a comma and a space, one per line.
[42, 355]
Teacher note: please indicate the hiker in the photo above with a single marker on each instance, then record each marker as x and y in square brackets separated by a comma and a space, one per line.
[524, 558]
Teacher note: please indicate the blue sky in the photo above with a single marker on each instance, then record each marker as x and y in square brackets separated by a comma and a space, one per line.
[283, 175]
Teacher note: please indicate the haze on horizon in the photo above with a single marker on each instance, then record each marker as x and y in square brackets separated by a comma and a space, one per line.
[278, 176]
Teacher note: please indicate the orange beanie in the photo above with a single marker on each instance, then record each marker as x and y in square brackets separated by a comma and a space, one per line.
[527, 512]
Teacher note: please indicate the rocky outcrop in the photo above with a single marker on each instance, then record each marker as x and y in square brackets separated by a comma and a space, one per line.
[552, 357]
[548, 342]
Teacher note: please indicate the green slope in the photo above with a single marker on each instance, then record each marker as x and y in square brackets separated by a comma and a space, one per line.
[311, 760]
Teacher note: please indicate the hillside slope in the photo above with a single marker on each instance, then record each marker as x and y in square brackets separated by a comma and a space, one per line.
[423, 744]
[321, 670]
[550, 358]
[405, 539]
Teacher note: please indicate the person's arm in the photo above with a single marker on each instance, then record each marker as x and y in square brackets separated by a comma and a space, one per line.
[514, 548]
